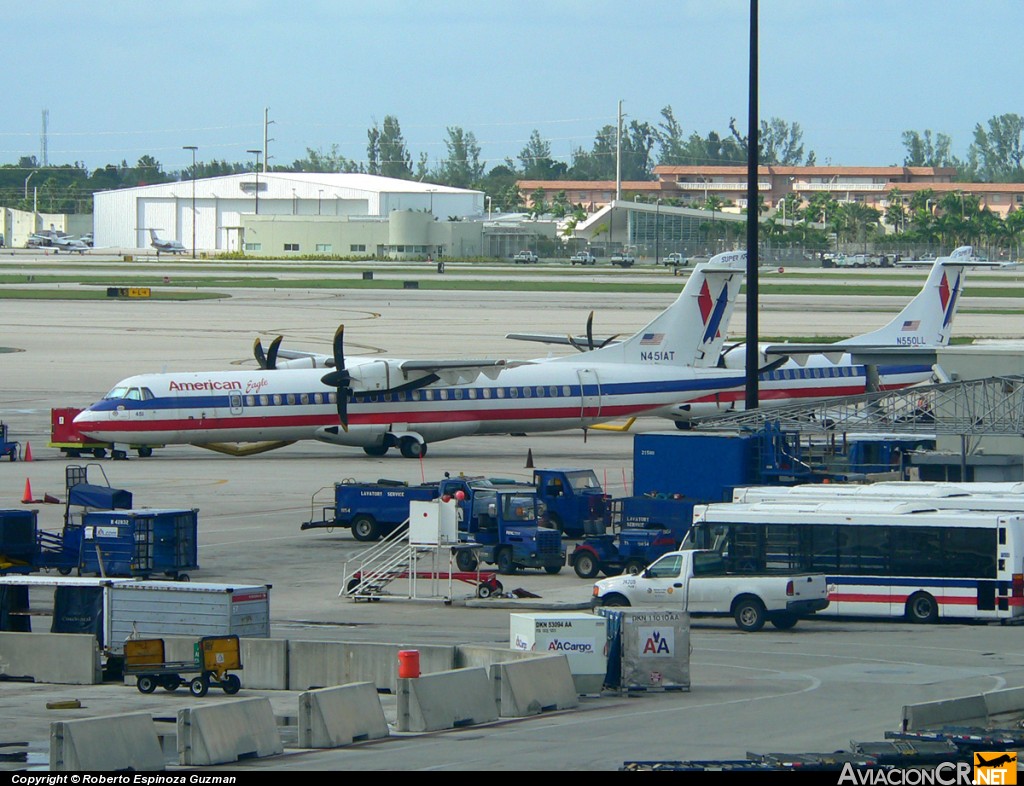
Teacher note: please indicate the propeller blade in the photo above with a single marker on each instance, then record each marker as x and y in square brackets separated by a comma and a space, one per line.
[590, 330]
[275, 345]
[340, 379]
[258, 353]
[339, 348]
[608, 340]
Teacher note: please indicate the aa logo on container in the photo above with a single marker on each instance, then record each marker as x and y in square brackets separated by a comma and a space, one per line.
[657, 642]
[995, 768]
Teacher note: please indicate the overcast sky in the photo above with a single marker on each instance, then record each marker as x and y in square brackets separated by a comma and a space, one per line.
[123, 78]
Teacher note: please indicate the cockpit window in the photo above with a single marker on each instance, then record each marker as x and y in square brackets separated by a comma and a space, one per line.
[134, 394]
[118, 392]
[147, 394]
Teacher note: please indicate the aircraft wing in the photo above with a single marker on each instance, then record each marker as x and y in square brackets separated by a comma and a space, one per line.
[567, 341]
[869, 354]
[456, 371]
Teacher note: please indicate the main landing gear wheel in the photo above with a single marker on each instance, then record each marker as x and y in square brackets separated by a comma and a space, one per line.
[375, 450]
[411, 447]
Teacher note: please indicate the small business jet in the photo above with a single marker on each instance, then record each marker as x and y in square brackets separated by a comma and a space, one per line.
[165, 246]
[58, 241]
[380, 403]
[811, 372]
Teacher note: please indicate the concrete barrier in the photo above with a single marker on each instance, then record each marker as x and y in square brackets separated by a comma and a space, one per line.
[226, 732]
[119, 742]
[322, 664]
[468, 656]
[534, 685]
[1004, 702]
[264, 664]
[982, 709]
[335, 717]
[63, 658]
[446, 700]
[968, 711]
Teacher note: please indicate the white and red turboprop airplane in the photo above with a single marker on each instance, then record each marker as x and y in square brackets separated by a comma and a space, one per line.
[818, 371]
[377, 404]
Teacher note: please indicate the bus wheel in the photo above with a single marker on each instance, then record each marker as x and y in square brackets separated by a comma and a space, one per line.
[922, 608]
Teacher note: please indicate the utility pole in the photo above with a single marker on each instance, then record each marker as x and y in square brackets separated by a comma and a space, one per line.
[753, 214]
[618, 153]
[266, 139]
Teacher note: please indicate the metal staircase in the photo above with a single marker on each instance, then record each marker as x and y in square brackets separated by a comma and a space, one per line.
[394, 557]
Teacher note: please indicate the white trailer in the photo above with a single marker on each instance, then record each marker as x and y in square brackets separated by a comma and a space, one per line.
[118, 609]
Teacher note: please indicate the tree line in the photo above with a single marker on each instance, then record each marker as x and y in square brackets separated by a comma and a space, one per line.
[995, 155]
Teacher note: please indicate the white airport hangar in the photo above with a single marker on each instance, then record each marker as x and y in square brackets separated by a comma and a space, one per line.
[295, 213]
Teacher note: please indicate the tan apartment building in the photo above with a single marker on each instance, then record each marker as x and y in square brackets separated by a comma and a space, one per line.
[695, 184]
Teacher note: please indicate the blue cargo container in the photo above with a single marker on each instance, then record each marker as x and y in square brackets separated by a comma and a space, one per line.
[17, 540]
[135, 542]
[703, 467]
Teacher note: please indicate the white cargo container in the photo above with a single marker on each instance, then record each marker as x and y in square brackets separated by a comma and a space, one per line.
[580, 637]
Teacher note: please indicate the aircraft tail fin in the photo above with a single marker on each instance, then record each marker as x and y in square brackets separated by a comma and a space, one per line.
[153, 237]
[927, 320]
[691, 331]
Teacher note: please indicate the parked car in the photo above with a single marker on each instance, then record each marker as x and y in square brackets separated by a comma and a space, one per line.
[583, 258]
[623, 259]
[676, 260]
[526, 257]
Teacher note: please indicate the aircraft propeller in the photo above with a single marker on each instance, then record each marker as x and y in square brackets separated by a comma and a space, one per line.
[340, 379]
[268, 360]
[590, 338]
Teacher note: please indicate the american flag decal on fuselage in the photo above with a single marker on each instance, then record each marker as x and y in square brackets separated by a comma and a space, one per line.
[651, 339]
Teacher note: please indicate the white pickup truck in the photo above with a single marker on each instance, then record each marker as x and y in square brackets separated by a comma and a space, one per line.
[583, 258]
[697, 581]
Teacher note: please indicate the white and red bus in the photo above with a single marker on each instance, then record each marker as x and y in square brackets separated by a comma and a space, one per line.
[881, 558]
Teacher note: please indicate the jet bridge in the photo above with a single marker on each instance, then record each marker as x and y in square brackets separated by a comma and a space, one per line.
[993, 406]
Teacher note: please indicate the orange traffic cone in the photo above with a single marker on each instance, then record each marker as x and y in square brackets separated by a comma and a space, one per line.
[27, 496]
[28, 451]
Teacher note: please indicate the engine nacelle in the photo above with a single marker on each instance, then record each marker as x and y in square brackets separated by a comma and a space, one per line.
[376, 376]
[736, 357]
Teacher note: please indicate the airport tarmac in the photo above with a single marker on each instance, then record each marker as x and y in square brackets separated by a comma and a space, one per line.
[810, 689]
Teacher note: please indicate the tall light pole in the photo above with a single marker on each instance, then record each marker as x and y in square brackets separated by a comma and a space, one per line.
[431, 192]
[657, 233]
[257, 171]
[193, 148]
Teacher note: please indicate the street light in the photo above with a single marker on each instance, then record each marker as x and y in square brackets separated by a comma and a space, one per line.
[257, 153]
[193, 148]
[488, 207]
[431, 192]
